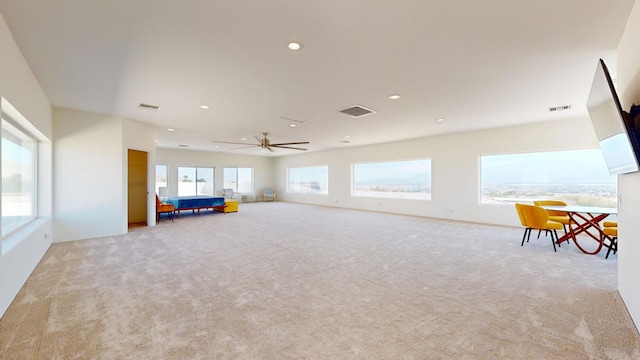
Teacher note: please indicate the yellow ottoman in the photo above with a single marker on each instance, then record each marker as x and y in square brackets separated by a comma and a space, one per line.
[232, 206]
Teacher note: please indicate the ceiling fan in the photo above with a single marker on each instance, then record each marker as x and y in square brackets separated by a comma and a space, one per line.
[266, 144]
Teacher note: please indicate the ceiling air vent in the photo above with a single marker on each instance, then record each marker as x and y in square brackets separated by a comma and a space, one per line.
[560, 108]
[357, 111]
[149, 107]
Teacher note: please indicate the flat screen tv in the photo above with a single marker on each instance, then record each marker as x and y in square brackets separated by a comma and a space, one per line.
[614, 128]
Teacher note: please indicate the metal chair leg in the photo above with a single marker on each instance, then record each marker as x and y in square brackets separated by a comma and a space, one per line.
[553, 241]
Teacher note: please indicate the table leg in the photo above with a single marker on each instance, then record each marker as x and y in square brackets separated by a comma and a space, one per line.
[584, 224]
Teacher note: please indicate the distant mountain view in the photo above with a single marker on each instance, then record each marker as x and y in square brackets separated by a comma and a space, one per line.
[410, 179]
[578, 177]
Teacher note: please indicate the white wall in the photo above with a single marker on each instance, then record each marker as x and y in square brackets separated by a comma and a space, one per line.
[19, 87]
[88, 175]
[629, 184]
[262, 167]
[455, 169]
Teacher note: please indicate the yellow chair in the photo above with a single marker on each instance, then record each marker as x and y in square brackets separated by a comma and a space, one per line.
[555, 215]
[610, 230]
[231, 206]
[527, 229]
[535, 217]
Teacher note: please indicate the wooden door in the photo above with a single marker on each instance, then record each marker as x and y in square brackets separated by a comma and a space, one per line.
[137, 188]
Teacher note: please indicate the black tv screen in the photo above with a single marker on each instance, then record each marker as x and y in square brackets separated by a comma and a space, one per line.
[616, 134]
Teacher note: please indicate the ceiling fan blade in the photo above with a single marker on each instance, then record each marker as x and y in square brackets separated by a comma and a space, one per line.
[270, 149]
[228, 142]
[259, 140]
[292, 143]
[287, 147]
[244, 147]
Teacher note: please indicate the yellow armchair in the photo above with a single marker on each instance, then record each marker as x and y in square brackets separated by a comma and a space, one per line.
[534, 217]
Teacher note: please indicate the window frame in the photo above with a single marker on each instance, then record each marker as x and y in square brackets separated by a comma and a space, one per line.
[237, 180]
[166, 180]
[571, 197]
[196, 180]
[310, 191]
[34, 213]
[401, 195]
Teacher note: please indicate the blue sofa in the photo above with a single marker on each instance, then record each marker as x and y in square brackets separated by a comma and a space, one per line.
[194, 203]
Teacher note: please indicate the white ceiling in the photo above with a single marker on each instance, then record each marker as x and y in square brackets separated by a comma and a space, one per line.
[478, 64]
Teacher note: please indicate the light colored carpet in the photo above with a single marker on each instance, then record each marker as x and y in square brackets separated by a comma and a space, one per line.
[281, 281]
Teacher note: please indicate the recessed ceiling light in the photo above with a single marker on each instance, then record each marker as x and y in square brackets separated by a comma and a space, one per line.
[171, 129]
[440, 119]
[206, 107]
[394, 97]
[347, 136]
[292, 125]
[294, 45]
[244, 139]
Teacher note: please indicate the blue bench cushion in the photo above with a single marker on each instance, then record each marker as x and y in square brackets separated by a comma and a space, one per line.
[195, 202]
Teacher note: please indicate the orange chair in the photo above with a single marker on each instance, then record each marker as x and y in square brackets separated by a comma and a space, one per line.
[534, 217]
[610, 231]
[555, 215]
[164, 208]
[527, 229]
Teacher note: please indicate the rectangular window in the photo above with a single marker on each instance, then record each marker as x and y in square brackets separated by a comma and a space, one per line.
[238, 179]
[161, 180]
[407, 179]
[19, 154]
[195, 181]
[310, 180]
[577, 177]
